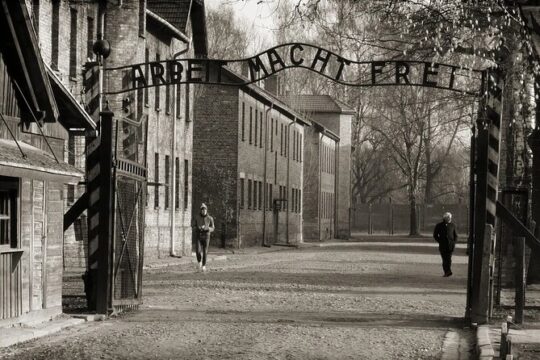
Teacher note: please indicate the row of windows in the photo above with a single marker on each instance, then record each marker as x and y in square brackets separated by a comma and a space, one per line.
[167, 182]
[255, 196]
[255, 130]
[172, 96]
[328, 159]
[326, 205]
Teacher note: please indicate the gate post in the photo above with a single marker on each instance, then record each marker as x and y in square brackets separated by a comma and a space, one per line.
[533, 273]
[486, 189]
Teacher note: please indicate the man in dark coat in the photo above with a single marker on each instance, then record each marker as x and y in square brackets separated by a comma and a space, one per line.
[446, 235]
[203, 226]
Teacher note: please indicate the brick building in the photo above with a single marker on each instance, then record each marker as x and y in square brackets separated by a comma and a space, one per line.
[36, 114]
[138, 31]
[170, 28]
[319, 189]
[336, 117]
[248, 164]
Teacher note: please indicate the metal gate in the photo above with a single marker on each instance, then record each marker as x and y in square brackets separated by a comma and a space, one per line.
[129, 201]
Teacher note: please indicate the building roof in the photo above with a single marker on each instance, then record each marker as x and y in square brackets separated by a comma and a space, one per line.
[266, 96]
[35, 163]
[317, 104]
[175, 12]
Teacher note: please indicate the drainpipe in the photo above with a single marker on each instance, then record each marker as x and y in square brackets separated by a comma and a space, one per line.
[265, 195]
[319, 190]
[336, 188]
[287, 148]
[173, 163]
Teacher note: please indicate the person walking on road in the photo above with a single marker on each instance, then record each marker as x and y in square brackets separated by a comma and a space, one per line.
[204, 226]
[445, 234]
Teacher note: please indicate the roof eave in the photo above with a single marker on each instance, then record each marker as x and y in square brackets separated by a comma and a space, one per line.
[167, 25]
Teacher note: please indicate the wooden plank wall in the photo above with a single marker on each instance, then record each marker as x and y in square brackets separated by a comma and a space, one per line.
[10, 285]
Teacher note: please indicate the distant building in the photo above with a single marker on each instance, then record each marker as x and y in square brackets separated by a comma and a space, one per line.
[320, 169]
[248, 165]
[337, 118]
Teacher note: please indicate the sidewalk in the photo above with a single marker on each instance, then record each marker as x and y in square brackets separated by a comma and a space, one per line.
[525, 338]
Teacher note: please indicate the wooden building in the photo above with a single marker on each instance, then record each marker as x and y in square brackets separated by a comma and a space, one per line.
[35, 115]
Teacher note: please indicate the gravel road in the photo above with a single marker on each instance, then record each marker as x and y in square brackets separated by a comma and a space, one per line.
[382, 298]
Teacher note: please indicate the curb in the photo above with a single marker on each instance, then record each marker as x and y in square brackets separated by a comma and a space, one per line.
[483, 343]
[17, 335]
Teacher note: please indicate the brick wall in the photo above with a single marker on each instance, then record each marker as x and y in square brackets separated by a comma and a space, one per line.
[162, 119]
[310, 228]
[341, 124]
[215, 155]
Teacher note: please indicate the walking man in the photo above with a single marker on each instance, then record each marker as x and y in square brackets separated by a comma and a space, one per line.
[204, 226]
[446, 235]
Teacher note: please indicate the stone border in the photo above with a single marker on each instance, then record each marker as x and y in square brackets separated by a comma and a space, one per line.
[484, 349]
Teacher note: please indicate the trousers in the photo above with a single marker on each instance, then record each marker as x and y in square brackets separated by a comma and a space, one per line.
[446, 261]
[202, 248]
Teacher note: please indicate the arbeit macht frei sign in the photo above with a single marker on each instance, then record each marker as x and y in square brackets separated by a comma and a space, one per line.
[299, 55]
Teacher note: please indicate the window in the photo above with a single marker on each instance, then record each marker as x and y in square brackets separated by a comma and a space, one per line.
[270, 196]
[55, 32]
[256, 126]
[301, 147]
[281, 141]
[249, 194]
[35, 15]
[272, 135]
[294, 145]
[146, 74]
[261, 127]
[167, 99]
[142, 17]
[157, 90]
[254, 195]
[178, 100]
[9, 188]
[156, 180]
[241, 193]
[188, 110]
[167, 179]
[73, 44]
[260, 195]
[243, 122]
[250, 125]
[186, 184]
[89, 37]
[177, 183]
[299, 200]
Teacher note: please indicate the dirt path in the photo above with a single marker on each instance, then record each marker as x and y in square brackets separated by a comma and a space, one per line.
[381, 299]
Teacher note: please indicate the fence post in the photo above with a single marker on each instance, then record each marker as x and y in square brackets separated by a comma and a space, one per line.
[369, 219]
[519, 254]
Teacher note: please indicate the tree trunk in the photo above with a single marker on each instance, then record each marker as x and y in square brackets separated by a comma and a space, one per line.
[413, 216]
[428, 196]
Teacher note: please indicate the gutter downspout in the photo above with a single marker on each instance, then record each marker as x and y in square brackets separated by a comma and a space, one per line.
[173, 162]
[266, 187]
[287, 148]
[319, 190]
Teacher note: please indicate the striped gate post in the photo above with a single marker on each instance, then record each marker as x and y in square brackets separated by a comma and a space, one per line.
[486, 189]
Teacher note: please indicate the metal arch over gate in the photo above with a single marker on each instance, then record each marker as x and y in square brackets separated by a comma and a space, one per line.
[300, 55]
[118, 249]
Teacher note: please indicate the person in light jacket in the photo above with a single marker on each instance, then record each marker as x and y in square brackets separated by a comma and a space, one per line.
[203, 227]
[445, 234]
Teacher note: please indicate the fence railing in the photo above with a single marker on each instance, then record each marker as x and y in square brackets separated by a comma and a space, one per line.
[390, 218]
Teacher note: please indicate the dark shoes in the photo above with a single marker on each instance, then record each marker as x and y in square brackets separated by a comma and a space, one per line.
[447, 274]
